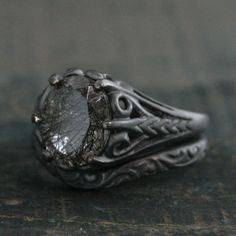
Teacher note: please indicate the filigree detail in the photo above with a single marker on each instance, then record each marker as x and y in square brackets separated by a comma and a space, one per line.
[178, 157]
[138, 122]
[132, 136]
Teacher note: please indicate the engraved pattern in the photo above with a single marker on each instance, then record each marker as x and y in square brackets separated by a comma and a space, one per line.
[151, 126]
[179, 157]
[145, 137]
[138, 122]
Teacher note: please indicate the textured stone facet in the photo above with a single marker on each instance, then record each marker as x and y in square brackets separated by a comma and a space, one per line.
[72, 118]
[67, 120]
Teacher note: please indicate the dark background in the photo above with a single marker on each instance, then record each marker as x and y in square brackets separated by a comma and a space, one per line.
[182, 52]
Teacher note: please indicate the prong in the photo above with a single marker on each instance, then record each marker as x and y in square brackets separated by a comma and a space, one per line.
[73, 71]
[55, 80]
[93, 74]
[98, 85]
[36, 118]
[107, 76]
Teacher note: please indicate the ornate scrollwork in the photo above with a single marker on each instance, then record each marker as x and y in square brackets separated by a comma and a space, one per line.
[138, 122]
[138, 136]
[161, 162]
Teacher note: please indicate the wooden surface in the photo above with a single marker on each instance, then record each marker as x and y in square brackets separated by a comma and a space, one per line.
[180, 52]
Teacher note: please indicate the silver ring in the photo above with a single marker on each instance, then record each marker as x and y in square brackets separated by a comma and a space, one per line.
[93, 132]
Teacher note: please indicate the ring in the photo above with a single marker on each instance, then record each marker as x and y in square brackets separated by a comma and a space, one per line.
[92, 131]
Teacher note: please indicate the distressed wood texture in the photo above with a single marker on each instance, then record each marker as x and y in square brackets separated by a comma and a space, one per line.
[180, 52]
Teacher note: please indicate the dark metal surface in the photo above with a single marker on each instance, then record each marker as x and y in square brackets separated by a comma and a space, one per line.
[127, 135]
[181, 52]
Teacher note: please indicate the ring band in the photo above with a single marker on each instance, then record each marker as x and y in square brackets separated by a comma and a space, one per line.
[93, 132]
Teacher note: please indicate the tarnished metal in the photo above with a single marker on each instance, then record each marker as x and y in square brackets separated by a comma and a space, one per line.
[129, 134]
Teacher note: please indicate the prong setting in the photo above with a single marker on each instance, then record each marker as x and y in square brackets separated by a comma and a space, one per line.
[98, 132]
[73, 71]
[55, 80]
[98, 85]
[92, 74]
[36, 119]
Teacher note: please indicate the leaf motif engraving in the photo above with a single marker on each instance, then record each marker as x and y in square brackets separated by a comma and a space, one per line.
[161, 162]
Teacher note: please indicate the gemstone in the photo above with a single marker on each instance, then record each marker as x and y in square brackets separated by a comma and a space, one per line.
[72, 121]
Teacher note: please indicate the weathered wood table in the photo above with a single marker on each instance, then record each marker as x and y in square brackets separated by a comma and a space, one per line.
[179, 52]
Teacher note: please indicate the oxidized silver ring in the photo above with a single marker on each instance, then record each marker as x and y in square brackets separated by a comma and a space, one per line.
[92, 131]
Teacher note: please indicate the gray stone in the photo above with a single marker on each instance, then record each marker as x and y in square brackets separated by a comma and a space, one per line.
[71, 121]
[65, 122]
